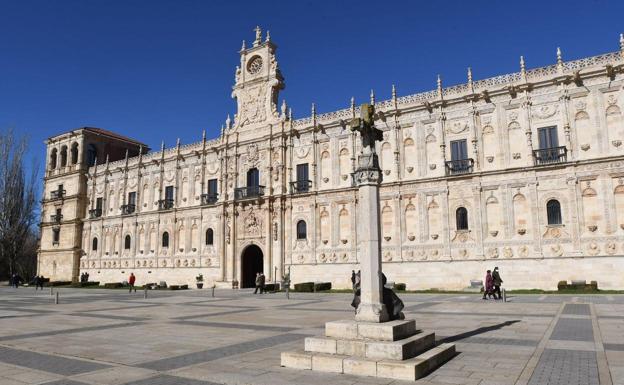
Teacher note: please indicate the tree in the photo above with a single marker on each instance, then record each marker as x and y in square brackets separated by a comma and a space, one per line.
[17, 205]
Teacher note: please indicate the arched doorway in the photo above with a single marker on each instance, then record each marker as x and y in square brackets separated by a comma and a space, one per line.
[251, 263]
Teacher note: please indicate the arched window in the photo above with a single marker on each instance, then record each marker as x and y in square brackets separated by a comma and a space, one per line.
[94, 244]
[209, 237]
[553, 212]
[461, 218]
[63, 156]
[91, 154]
[165, 239]
[302, 230]
[74, 153]
[127, 242]
[53, 159]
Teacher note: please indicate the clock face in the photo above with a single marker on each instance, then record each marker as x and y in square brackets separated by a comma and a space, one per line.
[255, 65]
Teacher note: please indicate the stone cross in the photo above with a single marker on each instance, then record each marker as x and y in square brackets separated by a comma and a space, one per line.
[368, 178]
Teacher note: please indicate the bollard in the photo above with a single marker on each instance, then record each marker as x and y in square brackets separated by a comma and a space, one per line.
[145, 292]
[56, 298]
[51, 291]
[504, 295]
[213, 291]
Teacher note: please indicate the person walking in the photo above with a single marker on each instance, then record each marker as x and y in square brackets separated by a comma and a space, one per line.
[131, 281]
[41, 281]
[497, 282]
[258, 280]
[353, 279]
[489, 285]
[35, 281]
[262, 283]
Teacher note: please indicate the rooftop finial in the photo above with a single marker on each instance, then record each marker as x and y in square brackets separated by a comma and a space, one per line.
[204, 134]
[268, 36]
[469, 75]
[283, 108]
[313, 109]
[290, 114]
[178, 142]
[222, 130]
[228, 122]
[622, 43]
[244, 47]
[522, 64]
[372, 98]
[162, 145]
[439, 85]
[258, 36]
[393, 92]
[559, 59]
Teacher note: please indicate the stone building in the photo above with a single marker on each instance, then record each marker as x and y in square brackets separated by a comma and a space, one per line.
[524, 171]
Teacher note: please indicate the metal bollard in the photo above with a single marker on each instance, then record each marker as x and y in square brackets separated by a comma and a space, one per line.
[145, 292]
[213, 291]
[288, 292]
[51, 291]
[504, 295]
[56, 298]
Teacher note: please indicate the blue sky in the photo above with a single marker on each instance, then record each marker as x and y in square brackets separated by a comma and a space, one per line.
[159, 70]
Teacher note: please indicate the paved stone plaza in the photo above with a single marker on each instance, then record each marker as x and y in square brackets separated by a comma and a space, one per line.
[177, 338]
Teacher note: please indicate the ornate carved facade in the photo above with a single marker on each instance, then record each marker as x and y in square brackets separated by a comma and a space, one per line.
[524, 171]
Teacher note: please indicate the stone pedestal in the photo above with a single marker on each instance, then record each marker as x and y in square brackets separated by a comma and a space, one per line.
[393, 349]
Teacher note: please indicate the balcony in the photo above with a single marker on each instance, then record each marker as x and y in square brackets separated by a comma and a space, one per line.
[95, 213]
[209, 199]
[165, 204]
[553, 155]
[459, 167]
[248, 192]
[56, 218]
[57, 194]
[128, 209]
[300, 186]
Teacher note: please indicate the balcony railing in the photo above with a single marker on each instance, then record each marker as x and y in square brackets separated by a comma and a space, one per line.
[551, 155]
[300, 186]
[209, 199]
[459, 167]
[95, 213]
[128, 209]
[165, 204]
[56, 217]
[248, 192]
[57, 194]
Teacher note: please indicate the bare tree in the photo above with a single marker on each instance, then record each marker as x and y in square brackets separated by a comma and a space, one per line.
[17, 201]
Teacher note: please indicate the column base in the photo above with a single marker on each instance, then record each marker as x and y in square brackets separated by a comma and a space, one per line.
[371, 312]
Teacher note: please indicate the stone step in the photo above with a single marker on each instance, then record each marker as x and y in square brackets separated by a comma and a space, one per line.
[390, 350]
[417, 367]
[411, 369]
[385, 331]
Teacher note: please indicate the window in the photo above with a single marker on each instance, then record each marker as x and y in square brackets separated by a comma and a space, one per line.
[53, 159]
[56, 236]
[302, 178]
[209, 237]
[127, 242]
[548, 137]
[132, 198]
[461, 218]
[302, 230]
[94, 244]
[169, 193]
[553, 212]
[63, 156]
[91, 154]
[459, 150]
[74, 153]
[165, 239]
[253, 177]
[212, 187]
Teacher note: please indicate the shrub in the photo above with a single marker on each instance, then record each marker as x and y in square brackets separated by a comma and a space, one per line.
[58, 283]
[322, 286]
[183, 287]
[593, 285]
[113, 285]
[174, 287]
[85, 284]
[400, 286]
[272, 287]
[562, 285]
[305, 287]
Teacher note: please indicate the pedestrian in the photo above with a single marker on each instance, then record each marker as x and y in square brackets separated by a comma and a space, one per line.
[497, 281]
[489, 285]
[86, 277]
[262, 283]
[41, 281]
[258, 280]
[356, 291]
[353, 279]
[35, 281]
[131, 280]
[17, 280]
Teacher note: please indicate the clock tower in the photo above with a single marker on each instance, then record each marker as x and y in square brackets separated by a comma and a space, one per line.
[258, 82]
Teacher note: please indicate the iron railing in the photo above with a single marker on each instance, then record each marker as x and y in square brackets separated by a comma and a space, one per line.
[300, 186]
[165, 204]
[128, 209]
[248, 192]
[551, 155]
[459, 167]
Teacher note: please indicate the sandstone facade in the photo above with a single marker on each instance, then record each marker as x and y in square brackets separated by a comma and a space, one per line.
[524, 171]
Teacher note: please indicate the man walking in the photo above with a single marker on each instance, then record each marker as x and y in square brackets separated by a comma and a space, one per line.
[258, 280]
[131, 280]
[262, 282]
[353, 279]
[497, 281]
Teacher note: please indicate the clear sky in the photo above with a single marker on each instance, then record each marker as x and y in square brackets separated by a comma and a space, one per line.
[158, 70]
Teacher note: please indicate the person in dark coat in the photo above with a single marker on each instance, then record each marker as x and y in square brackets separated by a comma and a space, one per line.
[353, 279]
[356, 289]
[262, 283]
[497, 281]
[258, 280]
[489, 285]
[41, 281]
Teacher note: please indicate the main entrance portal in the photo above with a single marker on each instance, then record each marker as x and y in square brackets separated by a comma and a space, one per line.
[251, 263]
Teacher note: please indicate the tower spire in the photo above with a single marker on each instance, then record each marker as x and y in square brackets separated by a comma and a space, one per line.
[372, 97]
[439, 86]
[559, 59]
[622, 44]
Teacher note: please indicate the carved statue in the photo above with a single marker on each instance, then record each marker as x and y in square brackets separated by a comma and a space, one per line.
[365, 125]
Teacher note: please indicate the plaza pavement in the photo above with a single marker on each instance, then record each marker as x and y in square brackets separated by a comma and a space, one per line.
[187, 337]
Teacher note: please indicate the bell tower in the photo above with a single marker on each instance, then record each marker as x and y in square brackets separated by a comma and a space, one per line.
[258, 82]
